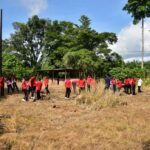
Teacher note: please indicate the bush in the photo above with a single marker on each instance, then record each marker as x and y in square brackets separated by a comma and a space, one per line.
[121, 73]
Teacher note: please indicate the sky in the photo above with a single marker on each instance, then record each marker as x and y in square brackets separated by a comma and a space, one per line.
[105, 15]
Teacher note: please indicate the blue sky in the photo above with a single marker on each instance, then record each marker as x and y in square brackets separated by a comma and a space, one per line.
[106, 16]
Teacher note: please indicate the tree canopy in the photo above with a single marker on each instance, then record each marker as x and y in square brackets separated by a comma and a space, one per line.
[139, 9]
[43, 43]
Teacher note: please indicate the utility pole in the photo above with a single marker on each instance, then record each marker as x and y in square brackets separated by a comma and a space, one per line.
[142, 61]
[1, 19]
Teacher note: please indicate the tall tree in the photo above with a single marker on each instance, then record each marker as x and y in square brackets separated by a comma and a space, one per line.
[139, 10]
[28, 40]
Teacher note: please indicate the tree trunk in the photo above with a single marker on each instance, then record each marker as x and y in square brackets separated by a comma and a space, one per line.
[142, 62]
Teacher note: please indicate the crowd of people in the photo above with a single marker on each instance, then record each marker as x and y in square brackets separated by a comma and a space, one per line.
[78, 85]
[127, 85]
[31, 87]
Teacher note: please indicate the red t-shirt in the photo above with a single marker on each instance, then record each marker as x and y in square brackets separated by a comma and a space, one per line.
[67, 83]
[119, 84]
[24, 85]
[114, 82]
[82, 83]
[126, 81]
[1, 82]
[33, 81]
[130, 81]
[46, 80]
[89, 80]
[133, 81]
[38, 86]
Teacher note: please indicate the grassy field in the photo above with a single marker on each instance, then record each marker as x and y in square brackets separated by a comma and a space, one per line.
[74, 124]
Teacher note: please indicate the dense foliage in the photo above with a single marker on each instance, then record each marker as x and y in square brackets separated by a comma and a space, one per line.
[43, 43]
[121, 73]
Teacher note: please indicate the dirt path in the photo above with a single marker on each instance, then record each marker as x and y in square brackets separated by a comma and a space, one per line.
[59, 124]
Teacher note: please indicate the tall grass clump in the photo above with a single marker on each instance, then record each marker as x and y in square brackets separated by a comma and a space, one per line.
[97, 98]
[147, 82]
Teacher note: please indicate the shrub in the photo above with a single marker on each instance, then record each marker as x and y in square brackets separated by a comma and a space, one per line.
[121, 73]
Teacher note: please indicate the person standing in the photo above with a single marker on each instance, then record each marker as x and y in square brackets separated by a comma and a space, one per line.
[2, 84]
[140, 81]
[46, 81]
[119, 86]
[81, 85]
[68, 88]
[32, 83]
[89, 82]
[14, 83]
[107, 82]
[74, 85]
[114, 82]
[130, 85]
[133, 86]
[126, 85]
[9, 85]
[24, 86]
[38, 89]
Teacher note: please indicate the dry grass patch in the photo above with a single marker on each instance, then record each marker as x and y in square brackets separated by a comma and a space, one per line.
[98, 98]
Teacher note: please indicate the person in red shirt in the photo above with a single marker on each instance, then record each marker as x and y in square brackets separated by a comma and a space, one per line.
[89, 83]
[130, 85]
[74, 85]
[2, 81]
[68, 88]
[126, 85]
[32, 83]
[24, 86]
[114, 83]
[38, 89]
[133, 86]
[46, 81]
[119, 86]
[81, 85]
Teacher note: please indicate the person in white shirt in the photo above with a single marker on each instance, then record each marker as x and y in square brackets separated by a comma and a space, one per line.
[140, 81]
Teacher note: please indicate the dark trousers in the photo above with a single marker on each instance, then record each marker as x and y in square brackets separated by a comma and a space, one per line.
[139, 89]
[81, 89]
[38, 95]
[68, 91]
[129, 89]
[133, 89]
[15, 87]
[9, 87]
[126, 89]
[32, 90]
[114, 88]
[107, 86]
[25, 94]
[89, 87]
[47, 90]
[2, 91]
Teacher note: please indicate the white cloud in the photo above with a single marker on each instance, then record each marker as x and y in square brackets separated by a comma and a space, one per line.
[129, 42]
[35, 7]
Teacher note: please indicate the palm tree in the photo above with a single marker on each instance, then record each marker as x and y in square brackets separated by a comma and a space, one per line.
[139, 10]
